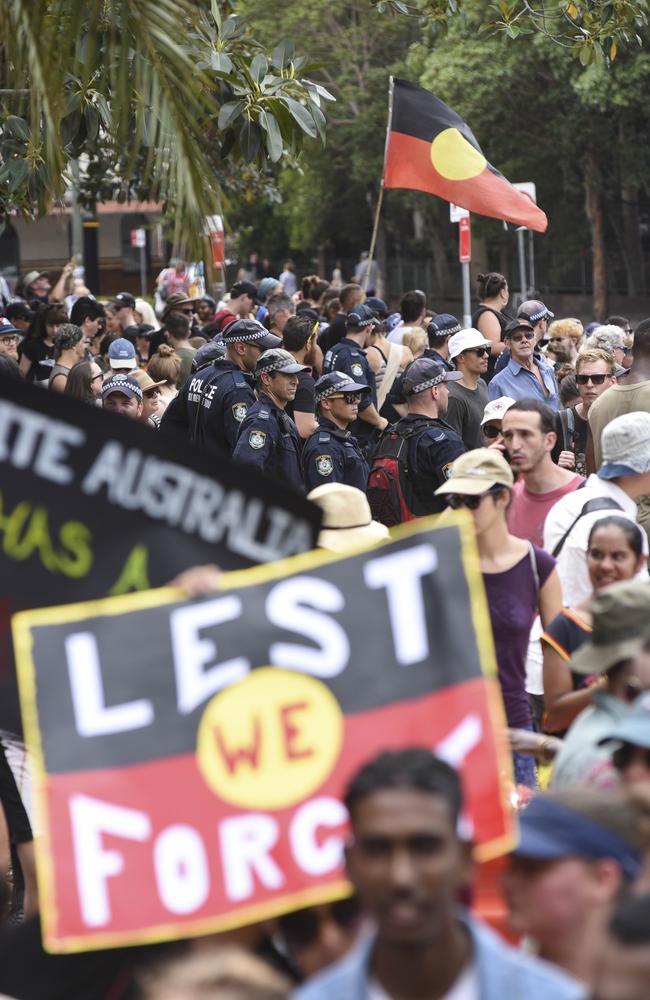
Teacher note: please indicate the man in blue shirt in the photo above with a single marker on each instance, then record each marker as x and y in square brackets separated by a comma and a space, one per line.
[409, 864]
[527, 375]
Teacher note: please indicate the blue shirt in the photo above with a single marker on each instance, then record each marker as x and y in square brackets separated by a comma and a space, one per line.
[520, 383]
[503, 973]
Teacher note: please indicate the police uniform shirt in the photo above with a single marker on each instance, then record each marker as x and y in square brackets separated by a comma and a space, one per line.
[431, 454]
[331, 455]
[269, 440]
[211, 405]
[348, 357]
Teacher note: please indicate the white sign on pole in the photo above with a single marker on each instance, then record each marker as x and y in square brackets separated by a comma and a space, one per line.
[456, 213]
[138, 238]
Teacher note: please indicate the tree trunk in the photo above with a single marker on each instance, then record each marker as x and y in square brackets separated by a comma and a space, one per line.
[632, 249]
[595, 215]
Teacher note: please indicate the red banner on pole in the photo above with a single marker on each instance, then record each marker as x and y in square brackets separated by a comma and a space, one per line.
[464, 241]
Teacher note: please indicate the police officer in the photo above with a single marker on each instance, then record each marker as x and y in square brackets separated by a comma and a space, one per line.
[348, 356]
[268, 437]
[213, 402]
[435, 445]
[331, 454]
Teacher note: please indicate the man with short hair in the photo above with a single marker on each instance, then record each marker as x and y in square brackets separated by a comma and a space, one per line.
[594, 375]
[299, 336]
[525, 375]
[9, 339]
[122, 394]
[623, 476]
[528, 429]
[409, 865]
[20, 315]
[243, 299]
[413, 310]
[268, 438]
[631, 393]
[211, 406]
[470, 351]
[349, 356]
[281, 308]
[179, 331]
[350, 296]
[332, 454]
[123, 309]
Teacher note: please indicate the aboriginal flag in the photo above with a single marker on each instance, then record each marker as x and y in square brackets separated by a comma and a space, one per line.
[430, 148]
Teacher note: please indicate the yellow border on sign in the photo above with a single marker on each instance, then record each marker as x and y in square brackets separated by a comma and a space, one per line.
[24, 621]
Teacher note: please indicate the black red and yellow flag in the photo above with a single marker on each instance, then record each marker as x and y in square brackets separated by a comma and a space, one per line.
[430, 148]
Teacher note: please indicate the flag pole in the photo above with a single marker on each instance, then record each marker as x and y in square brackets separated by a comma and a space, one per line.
[373, 240]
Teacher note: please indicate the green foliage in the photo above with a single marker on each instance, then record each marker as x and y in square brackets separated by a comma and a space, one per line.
[159, 98]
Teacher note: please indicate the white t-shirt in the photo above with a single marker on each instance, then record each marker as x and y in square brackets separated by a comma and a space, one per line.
[465, 988]
[572, 560]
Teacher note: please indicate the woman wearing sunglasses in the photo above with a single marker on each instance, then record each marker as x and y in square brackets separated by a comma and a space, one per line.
[614, 554]
[520, 579]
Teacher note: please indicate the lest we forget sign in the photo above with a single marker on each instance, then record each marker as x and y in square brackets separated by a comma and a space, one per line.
[93, 504]
[191, 755]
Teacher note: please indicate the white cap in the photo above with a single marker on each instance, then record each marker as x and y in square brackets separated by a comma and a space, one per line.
[625, 446]
[495, 409]
[464, 340]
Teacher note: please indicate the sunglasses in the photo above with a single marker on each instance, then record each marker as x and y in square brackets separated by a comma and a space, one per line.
[480, 352]
[349, 397]
[9, 340]
[623, 757]
[302, 928]
[596, 379]
[152, 393]
[490, 431]
[518, 337]
[458, 500]
[187, 312]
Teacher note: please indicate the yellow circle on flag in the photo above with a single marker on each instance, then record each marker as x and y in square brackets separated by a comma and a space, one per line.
[270, 740]
[454, 157]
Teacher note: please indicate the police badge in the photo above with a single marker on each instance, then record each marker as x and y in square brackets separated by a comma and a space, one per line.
[256, 439]
[324, 465]
[239, 411]
[357, 370]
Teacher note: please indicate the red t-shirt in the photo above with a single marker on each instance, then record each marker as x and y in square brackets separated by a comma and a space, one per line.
[528, 510]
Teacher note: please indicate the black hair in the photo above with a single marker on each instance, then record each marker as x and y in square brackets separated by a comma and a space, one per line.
[178, 326]
[415, 769]
[630, 923]
[489, 285]
[86, 308]
[297, 332]
[568, 389]
[642, 339]
[437, 338]
[411, 305]
[633, 533]
[621, 321]
[545, 413]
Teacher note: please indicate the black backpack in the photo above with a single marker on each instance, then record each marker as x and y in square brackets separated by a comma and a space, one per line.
[390, 492]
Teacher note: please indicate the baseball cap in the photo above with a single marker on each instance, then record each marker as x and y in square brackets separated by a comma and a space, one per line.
[31, 276]
[619, 619]
[625, 446]
[517, 324]
[121, 354]
[266, 288]
[424, 373]
[549, 830]
[466, 339]
[6, 327]
[476, 471]
[533, 310]
[126, 384]
[361, 316]
[145, 380]
[333, 382]
[20, 310]
[443, 323]
[495, 409]
[244, 288]
[377, 306]
[123, 300]
[278, 360]
[207, 354]
[249, 331]
[634, 727]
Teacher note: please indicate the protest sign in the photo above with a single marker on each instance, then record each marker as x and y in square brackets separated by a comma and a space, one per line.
[93, 504]
[191, 756]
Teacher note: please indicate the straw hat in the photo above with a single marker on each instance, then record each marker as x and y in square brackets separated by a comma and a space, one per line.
[347, 520]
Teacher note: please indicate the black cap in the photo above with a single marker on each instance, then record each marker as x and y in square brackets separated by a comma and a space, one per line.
[123, 300]
[249, 331]
[361, 316]
[443, 323]
[517, 324]
[333, 382]
[278, 360]
[424, 373]
[378, 306]
[207, 354]
[533, 310]
[244, 288]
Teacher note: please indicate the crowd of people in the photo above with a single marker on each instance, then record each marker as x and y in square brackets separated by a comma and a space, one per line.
[539, 428]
